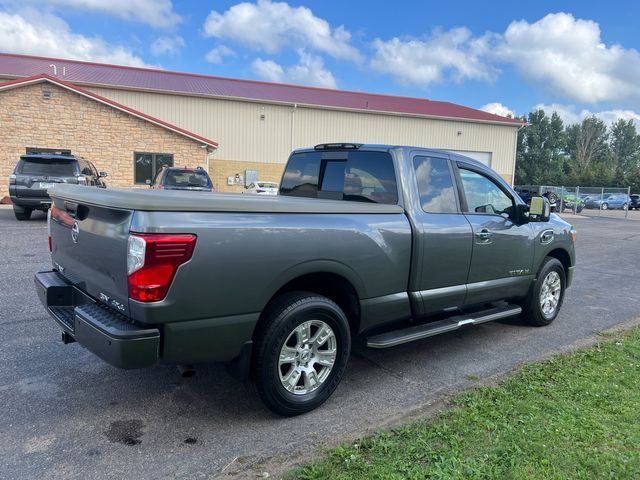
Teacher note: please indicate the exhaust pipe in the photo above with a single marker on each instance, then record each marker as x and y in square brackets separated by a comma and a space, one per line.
[186, 371]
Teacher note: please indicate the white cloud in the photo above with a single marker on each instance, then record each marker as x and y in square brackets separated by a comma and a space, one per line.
[567, 56]
[215, 55]
[308, 71]
[156, 13]
[570, 114]
[268, 70]
[49, 35]
[273, 26]
[170, 46]
[454, 53]
[498, 109]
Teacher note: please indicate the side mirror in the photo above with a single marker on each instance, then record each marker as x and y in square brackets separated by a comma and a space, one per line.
[102, 174]
[540, 209]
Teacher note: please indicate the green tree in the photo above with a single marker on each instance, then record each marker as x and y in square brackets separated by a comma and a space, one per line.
[625, 153]
[540, 149]
[588, 148]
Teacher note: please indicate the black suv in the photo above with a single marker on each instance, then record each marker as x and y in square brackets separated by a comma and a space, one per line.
[176, 178]
[634, 202]
[37, 172]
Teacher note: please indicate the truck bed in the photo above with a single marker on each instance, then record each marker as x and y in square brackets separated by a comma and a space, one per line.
[148, 200]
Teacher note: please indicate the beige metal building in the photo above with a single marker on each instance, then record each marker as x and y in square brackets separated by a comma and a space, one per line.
[257, 124]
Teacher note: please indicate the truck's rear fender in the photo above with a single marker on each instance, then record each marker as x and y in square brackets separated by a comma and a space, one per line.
[241, 260]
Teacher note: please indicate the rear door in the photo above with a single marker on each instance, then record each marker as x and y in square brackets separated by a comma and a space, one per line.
[502, 256]
[442, 240]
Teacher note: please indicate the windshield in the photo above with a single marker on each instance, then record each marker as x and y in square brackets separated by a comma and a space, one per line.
[187, 178]
[47, 166]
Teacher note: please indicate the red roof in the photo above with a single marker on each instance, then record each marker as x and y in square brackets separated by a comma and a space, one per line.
[61, 83]
[135, 78]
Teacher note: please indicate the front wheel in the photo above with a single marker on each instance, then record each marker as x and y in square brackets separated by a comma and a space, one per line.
[302, 348]
[547, 293]
[605, 206]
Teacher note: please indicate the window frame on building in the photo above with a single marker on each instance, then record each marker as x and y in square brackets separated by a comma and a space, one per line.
[154, 165]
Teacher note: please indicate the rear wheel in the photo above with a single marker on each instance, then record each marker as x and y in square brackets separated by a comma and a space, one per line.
[545, 298]
[301, 352]
[22, 213]
[605, 206]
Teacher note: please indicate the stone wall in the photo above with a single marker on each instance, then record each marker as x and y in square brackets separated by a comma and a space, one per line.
[104, 135]
[219, 170]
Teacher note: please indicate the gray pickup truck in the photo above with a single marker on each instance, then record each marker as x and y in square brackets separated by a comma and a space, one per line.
[384, 244]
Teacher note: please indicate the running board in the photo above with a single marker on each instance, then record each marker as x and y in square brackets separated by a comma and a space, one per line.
[418, 332]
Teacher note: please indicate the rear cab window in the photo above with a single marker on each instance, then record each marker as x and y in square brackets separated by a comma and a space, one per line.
[47, 166]
[359, 176]
[187, 178]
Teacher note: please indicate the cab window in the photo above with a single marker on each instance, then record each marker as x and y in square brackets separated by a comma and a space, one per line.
[435, 185]
[483, 195]
[354, 176]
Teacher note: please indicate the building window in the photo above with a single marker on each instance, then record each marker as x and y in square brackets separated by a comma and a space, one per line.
[147, 165]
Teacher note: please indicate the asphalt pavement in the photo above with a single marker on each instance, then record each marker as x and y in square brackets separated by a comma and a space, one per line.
[66, 414]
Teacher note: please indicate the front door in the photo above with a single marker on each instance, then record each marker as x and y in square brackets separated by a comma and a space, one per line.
[442, 240]
[503, 251]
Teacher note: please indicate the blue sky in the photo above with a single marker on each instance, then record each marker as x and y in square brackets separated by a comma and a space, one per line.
[577, 58]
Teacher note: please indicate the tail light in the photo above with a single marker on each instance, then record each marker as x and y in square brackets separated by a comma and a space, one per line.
[152, 262]
[12, 179]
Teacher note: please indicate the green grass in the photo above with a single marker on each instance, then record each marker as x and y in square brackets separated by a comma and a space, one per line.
[574, 416]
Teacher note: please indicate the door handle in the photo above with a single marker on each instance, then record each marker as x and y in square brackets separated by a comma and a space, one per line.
[484, 235]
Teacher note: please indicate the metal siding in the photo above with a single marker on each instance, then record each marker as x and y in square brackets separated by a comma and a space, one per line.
[243, 136]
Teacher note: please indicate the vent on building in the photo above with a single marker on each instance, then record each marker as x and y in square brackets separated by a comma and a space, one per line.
[46, 94]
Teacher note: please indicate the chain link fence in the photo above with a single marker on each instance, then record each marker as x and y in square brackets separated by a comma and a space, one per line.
[613, 202]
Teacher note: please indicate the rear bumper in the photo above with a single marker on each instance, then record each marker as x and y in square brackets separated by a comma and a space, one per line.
[32, 202]
[108, 334]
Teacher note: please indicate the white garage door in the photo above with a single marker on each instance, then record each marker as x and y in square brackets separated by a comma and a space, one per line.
[482, 157]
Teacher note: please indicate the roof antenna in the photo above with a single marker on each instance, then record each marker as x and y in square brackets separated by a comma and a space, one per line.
[55, 69]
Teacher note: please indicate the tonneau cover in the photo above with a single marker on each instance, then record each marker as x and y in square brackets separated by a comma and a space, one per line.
[162, 200]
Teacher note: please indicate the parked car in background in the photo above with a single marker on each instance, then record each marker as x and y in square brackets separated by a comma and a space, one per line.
[262, 188]
[607, 201]
[550, 193]
[570, 201]
[35, 173]
[176, 178]
[634, 202]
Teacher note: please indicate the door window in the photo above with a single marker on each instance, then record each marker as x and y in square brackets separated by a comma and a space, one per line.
[435, 185]
[483, 195]
[147, 165]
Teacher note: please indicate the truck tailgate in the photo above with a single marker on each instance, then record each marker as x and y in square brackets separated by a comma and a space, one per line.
[89, 248]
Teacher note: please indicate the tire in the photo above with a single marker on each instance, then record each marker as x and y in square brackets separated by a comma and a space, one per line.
[580, 208]
[624, 206]
[287, 388]
[604, 206]
[533, 312]
[22, 213]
